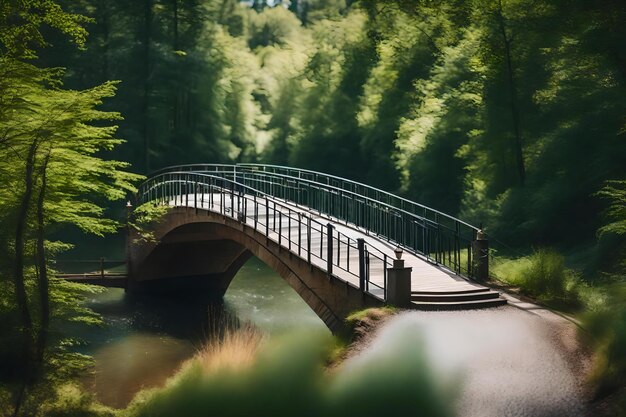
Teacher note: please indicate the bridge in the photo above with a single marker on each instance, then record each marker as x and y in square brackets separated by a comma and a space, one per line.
[341, 245]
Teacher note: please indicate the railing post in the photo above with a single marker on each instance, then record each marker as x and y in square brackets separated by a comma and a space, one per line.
[232, 200]
[243, 212]
[299, 232]
[480, 253]
[256, 212]
[385, 277]
[308, 240]
[362, 267]
[280, 228]
[289, 227]
[329, 248]
[267, 219]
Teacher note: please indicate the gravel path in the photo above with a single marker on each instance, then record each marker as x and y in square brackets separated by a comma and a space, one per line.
[507, 361]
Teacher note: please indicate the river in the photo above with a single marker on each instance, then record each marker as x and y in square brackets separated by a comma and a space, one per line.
[145, 340]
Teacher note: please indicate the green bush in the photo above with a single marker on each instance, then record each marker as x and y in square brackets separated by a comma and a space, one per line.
[542, 275]
[547, 274]
[608, 330]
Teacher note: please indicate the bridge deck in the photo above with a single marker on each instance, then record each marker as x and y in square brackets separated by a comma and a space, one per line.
[426, 276]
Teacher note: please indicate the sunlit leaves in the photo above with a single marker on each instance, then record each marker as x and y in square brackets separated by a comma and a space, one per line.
[615, 191]
[22, 21]
[454, 83]
[68, 125]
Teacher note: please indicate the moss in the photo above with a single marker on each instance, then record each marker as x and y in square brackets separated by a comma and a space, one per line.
[72, 401]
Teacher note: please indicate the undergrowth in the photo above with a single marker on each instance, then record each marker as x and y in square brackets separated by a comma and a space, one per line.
[544, 276]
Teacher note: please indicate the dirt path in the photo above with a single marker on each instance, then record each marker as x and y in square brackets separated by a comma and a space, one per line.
[518, 360]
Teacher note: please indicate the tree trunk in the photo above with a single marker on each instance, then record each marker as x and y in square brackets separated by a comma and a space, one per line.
[177, 94]
[519, 144]
[18, 274]
[175, 23]
[104, 13]
[146, 83]
[21, 297]
[42, 276]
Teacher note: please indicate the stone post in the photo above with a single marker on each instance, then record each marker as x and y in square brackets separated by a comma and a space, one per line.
[399, 284]
[480, 255]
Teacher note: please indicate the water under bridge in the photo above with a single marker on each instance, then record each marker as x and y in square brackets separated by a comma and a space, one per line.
[332, 240]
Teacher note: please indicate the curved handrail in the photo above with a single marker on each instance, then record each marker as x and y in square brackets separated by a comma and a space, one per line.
[341, 190]
[194, 167]
[442, 239]
[377, 190]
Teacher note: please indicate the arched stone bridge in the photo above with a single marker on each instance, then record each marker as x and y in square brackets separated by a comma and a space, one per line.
[332, 240]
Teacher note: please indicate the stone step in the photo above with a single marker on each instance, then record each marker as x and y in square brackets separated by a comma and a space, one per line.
[451, 297]
[472, 291]
[458, 305]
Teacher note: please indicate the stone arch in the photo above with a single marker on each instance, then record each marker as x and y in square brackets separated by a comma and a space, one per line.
[216, 247]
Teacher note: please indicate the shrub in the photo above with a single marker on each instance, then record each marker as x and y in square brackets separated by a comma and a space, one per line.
[287, 378]
[547, 274]
[608, 330]
[542, 275]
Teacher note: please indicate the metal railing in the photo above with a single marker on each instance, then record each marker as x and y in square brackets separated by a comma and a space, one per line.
[438, 237]
[292, 228]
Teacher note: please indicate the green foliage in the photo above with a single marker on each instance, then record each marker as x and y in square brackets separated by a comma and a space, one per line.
[61, 362]
[547, 274]
[370, 314]
[72, 401]
[287, 379]
[22, 22]
[608, 330]
[616, 192]
[542, 274]
[508, 113]
[67, 126]
[52, 143]
[144, 217]
[484, 109]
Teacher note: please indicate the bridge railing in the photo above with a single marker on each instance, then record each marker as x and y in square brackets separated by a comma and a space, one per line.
[291, 228]
[440, 238]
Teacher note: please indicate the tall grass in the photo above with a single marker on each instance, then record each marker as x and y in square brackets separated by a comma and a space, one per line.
[242, 376]
[235, 350]
[542, 275]
[607, 327]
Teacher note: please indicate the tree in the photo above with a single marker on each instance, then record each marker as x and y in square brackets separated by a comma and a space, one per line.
[49, 139]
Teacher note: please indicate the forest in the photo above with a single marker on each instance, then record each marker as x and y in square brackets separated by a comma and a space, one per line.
[508, 114]
[500, 112]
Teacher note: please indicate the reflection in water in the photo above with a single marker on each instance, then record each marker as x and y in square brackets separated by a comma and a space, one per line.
[146, 339]
[135, 361]
[260, 296]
